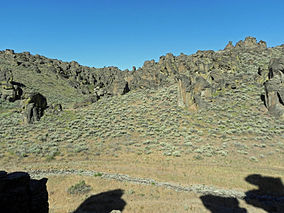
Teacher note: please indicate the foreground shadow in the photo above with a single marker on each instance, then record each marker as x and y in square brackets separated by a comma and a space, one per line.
[218, 204]
[269, 196]
[270, 193]
[104, 202]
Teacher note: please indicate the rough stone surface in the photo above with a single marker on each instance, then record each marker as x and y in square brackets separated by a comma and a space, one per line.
[274, 88]
[9, 90]
[224, 69]
[21, 194]
[34, 107]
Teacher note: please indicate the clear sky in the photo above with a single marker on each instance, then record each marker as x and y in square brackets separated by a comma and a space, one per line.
[125, 33]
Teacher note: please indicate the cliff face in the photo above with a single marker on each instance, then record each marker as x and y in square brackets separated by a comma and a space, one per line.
[21, 194]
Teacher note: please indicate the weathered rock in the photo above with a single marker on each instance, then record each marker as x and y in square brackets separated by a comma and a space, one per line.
[274, 97]
[248, 43]
[184, 89]
[9, 90]
[192, 94]
[274, 88]
[276, 68]
[34, 107]
[21, 194]
[229, 46]
[119, 87]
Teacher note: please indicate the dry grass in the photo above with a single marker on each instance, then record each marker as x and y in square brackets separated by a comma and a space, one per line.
[226, 173]
[138, 198]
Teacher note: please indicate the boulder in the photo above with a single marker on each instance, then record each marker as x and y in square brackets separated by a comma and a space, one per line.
[119, 87]
[34, 107]
[9, 90]
[274, 88]
[21, 194]
[192, 94]
[276, 68]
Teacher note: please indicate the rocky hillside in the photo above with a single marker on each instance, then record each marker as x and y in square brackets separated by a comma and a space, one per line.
[208, 103]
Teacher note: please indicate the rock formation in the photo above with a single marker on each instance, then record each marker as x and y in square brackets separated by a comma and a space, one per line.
[9, 90]
[199, 76]
[274, 88]
[21, 194]
[248, 43]
[34, 107]
[192, 94]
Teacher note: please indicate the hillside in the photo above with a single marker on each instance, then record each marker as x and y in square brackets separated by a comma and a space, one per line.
[208, 118]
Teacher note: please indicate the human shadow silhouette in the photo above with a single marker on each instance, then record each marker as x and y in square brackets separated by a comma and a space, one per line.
[104, 202]
[269, 196]
[217, 204]
[270, 193]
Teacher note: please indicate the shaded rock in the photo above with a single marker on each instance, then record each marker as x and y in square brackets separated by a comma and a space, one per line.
[21, 194]
[192, 94]
[119, 87]
[9, 90]
[274, 97]
[184, 89]
[34, 107]
[274, 88]
[276, 68]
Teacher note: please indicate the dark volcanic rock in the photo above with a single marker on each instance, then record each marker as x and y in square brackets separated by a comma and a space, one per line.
[248, 43]
[274, 88]
[208, 71]
[34, 107]
[21, 194]
[9, 90]
[193, 94]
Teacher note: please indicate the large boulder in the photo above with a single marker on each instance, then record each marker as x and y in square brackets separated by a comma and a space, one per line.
[34, 107]
[119, 87]
[276, 68]
[193, 93]
[9, 90]
[21, 194]
[274, 88]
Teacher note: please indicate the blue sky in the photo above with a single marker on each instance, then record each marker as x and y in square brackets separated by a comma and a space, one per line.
[125, 33]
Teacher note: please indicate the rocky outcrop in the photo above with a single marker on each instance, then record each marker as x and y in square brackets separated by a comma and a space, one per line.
[21, 194]
[248, 43]
[194, 93]
[208, 71]
[274, 88]
[9, 90]
[34, 107]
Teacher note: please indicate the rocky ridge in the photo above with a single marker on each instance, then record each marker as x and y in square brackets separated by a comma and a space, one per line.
[200, 76]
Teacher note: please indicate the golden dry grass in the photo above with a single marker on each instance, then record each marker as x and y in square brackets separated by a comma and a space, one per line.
[224, 173]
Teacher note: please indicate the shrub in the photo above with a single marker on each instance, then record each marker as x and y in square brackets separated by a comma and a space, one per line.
[79, 188]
